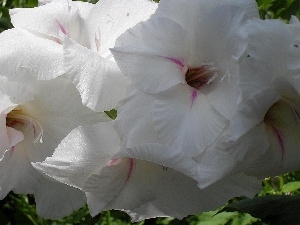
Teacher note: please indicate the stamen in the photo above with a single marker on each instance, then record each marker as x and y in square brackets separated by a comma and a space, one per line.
[197, 77]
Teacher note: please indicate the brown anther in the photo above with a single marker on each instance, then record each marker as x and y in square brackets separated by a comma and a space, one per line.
[197, 77]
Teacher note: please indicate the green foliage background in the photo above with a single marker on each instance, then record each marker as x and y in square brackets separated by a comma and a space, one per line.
[277, 203]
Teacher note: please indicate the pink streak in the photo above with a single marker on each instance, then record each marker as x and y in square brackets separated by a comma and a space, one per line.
[193, 97]
[97, 40]
[280, 140]
[61, 27]
[176, 61]
[11, 151]
[113, 162]
[131, 164]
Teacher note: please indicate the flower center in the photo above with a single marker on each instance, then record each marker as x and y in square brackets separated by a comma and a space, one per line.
[25, 124]
[197, 77]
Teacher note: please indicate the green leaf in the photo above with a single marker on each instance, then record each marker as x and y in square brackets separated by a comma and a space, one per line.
[290, 187]
[264, 4]
[112, 114]
[276, 210]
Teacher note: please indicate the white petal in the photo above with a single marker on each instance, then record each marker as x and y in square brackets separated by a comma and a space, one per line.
[222, 94]
[275, 31]
[25, 56]
[50, 19]
[184, 118]
[4, 139]
[102, 188]
[16, 172]
[58, 109]
[98, 80]
[134, 122]
[55, 200]
[189, 15]
[255, 76]
[251, 113]
[84, 8]
[150, 190]
[14, 136]
[226, 157]
[283, 132]
[163, 155]
[110, 18]
[218, 37]
[11, 95]
[153, 43]
[83, 152]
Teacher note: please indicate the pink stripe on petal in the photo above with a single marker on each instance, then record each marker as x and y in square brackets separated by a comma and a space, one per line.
[114, 162]
[193, 97]
[131, 164]
[11, 151]
[61, 27]
[176, 61]
[279, 137]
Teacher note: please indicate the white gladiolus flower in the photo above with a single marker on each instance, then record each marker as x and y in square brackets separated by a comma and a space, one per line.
[182, 64]
[35, 117]
[270, 101]
[262, 137]
[93, 29]
[140, 188]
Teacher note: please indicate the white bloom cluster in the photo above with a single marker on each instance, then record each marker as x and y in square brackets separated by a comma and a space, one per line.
[207, 98]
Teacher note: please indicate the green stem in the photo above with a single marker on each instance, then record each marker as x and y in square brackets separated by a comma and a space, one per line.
[108, 221]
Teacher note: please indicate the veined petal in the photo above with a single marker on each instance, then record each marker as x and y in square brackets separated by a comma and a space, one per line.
[282, 130]
[83, 152]
[184, 118]
[110, 18]
[98, 80]
[153, 43]
[25, 56]
[53, 18]
[152, 190]
[163, 155]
